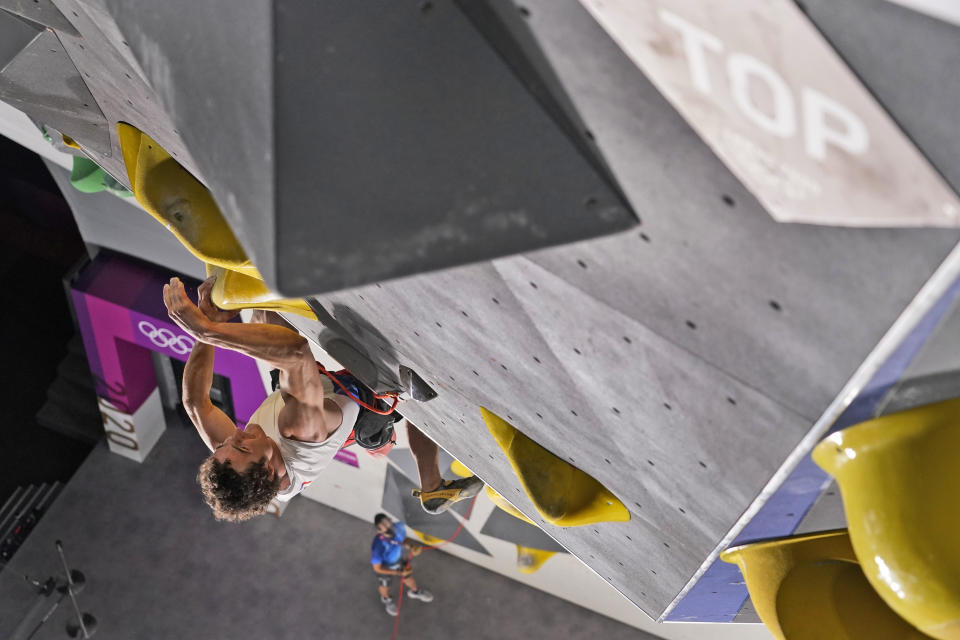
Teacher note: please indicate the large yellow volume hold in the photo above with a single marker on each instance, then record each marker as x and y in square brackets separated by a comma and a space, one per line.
[810, 587]
[563, 495]
[181, 203]
[900, 481]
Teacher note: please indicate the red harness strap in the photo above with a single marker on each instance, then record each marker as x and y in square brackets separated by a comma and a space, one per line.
[352, 438]
[378, 396]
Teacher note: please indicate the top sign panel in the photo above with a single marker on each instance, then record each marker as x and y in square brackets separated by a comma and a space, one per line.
[763, 88]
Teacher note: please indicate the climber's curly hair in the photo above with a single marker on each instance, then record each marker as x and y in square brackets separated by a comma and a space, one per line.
[236, 496]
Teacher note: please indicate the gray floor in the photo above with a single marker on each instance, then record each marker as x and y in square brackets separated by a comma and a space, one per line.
[159, 566]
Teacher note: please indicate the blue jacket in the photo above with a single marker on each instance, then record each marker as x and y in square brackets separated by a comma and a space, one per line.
[388, 551]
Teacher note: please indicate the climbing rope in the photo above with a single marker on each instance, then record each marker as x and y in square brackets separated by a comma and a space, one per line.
[378, 396]
[396, 622]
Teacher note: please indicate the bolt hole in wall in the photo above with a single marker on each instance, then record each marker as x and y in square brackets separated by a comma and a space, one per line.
[524, 11]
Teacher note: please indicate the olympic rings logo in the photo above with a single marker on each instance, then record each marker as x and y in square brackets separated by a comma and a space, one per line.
[166, 339]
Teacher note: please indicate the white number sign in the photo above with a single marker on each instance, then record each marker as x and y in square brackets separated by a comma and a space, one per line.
[133, 435]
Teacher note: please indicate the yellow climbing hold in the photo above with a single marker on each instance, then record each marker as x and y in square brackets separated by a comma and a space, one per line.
[502, 503]
[529, 560]
[235, 290]
[810, 587]
[180, 202]
[564, 495]
[899, 478]
[70, 142]
[460, 469]
[183, 205]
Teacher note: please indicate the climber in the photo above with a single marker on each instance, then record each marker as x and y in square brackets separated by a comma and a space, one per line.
[390, 556]
[293, 435]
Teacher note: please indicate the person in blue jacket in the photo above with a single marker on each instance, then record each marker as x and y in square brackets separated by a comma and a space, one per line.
[390, 556]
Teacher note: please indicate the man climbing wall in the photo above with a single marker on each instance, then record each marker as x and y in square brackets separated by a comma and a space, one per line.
[297, 430]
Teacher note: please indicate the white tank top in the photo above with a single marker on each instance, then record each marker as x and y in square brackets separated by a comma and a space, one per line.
[305, 460]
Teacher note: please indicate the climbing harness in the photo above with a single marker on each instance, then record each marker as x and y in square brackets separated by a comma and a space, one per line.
[349, 394]
[373, 430]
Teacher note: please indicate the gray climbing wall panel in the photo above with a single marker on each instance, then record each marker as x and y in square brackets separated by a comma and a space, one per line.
[43, 82]
[42, 12]
[15, 34]
[427, 140]
[747, 329]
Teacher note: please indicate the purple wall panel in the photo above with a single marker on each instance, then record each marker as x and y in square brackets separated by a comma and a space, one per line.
[121, 316]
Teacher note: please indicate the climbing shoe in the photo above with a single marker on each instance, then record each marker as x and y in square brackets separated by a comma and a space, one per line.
[451, 491]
